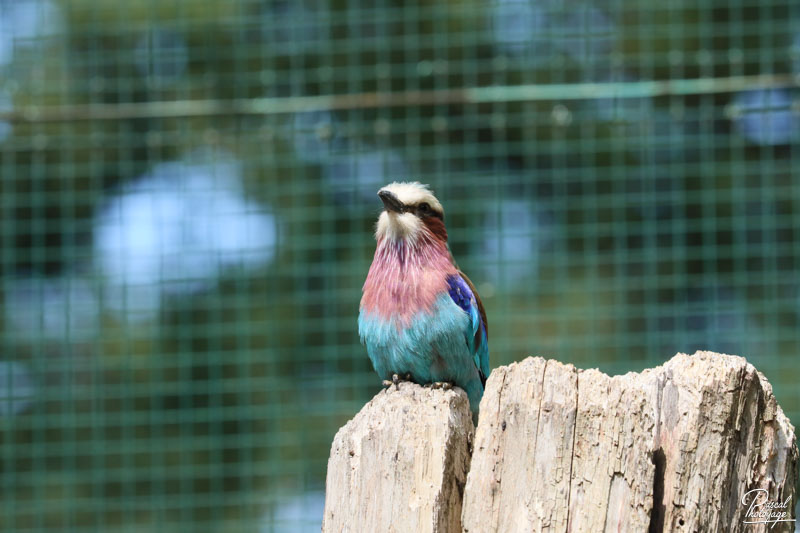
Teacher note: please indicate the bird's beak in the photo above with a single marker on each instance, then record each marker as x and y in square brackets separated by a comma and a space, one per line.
[390, 201]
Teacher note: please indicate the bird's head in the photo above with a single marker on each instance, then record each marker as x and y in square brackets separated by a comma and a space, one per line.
[409, 210]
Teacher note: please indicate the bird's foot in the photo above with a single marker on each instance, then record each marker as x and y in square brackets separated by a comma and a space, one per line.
[444, 385]
[396, 379]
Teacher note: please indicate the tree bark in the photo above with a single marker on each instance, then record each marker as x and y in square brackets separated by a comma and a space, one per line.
[686, 446]
[401, 464]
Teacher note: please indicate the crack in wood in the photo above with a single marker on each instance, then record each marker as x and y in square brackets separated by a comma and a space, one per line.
[658, 510]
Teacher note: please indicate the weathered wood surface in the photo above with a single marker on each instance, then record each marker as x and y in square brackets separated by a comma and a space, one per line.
[401, 464]
[674, 448]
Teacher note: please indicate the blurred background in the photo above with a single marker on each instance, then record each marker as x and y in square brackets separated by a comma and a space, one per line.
[187, 199]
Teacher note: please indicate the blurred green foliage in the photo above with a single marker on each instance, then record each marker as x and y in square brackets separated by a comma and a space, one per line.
[610, 231]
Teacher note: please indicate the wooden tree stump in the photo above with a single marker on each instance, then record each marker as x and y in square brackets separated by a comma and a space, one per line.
[401, 464]
[675, 448]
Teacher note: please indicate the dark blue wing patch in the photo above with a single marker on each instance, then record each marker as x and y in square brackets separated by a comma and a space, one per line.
[460, 292]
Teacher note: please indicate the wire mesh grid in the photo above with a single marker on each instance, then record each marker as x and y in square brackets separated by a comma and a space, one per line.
[187, 199]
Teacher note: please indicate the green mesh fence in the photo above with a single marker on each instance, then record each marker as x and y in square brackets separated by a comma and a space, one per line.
[187, 198]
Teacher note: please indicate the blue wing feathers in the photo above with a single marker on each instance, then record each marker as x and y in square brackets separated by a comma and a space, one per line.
[463, 294]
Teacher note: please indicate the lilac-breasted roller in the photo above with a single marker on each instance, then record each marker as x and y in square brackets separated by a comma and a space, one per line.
[420, 316]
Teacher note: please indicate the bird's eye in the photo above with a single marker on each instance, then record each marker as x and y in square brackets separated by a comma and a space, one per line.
[424, 206]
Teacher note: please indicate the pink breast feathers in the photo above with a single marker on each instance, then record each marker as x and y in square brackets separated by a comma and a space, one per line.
[406, 278]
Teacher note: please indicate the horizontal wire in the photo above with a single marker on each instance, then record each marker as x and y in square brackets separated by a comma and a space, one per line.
[476, 95]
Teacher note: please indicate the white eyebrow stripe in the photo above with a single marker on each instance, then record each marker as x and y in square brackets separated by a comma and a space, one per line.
[414, 193]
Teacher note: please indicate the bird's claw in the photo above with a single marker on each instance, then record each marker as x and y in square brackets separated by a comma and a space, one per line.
[444, 385]
[396, 379]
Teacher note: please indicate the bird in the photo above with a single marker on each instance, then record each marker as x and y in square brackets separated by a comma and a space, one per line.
[420, 317]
